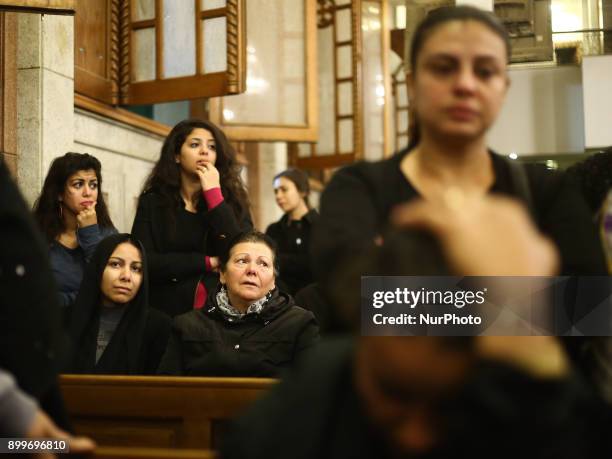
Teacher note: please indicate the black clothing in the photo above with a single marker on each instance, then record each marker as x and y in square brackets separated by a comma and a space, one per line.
[500, 412]
[207, 342]
[312, 299]
[177, 242]
[141, 336]
[31, 338]
[356, 204]
[293, 240]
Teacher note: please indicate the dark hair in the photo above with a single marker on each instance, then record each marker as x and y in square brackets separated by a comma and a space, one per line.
[433, 20]
[299, 179]
[594, 176]
[248, 236]
[47, 206]
[165, 178]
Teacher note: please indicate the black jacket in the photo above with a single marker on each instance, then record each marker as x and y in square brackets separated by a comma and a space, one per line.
[31, 338]
[356, 204]
[206, 342]
[500, 412]
[175, 274]
[141, 336]
[293, 241]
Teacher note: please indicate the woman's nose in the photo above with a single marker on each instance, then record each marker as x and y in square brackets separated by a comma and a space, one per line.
[126, 274]
[466, 80]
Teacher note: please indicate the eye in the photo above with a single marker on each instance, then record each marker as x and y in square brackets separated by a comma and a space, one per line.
[212, 146]
[485, 72]
[194, 145]
[137, 268]
[114, 264]
[93, 185]
[78, 184]
[263, 263]
[441, 68]
[241, 261]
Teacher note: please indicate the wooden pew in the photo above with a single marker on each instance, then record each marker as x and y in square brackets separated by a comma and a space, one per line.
[109, 452]
[156, 411]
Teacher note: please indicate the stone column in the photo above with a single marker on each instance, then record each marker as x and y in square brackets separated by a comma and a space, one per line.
[45, 96]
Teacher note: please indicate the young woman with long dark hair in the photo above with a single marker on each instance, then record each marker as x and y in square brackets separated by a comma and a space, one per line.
[192, 203]
[72, 214]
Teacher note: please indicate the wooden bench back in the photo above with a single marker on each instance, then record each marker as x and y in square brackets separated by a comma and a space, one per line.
[155, 411]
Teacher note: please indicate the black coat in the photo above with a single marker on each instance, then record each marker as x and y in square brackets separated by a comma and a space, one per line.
[31, 336]
[141, 336]
[356, 205]
[500, 412]
[206, 342]
[293, 253]
[175, 274]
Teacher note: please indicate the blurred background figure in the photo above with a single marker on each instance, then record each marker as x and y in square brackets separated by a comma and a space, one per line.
[292, 233]
[111, 324]
[457, 84]
[73, 216]
[249, 327]
[192, 203]
[31, 338]
[437, 397]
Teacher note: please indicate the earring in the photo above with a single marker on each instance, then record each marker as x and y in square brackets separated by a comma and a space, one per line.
[61, 211]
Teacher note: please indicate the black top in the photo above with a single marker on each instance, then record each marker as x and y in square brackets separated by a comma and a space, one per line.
[207, 342]
[293, 240]
[30, 327]
[500, 412]
[138, 342]
[356, 204]
[177, 242]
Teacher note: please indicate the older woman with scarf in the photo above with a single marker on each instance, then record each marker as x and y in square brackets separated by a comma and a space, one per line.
[113, 329]
[247, 327]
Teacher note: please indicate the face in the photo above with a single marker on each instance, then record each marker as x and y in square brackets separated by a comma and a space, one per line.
[249, 273]
[287, 195]
[460, 81]
[199, 148]
[122, 276]
[80, 192]
[405, 383]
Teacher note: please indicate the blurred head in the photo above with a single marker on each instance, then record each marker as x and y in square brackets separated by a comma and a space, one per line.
[457, 80]
[406, 383]
[291, 188]
[594, 176]
[122, 276]
[248, 268]
[73, 183]
[192, 141]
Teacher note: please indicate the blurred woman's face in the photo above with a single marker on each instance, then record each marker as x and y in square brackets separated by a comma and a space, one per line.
[80, 191]
[198, 148]
[286, 194]
[249, 273]
[460, 82]
[122, 276]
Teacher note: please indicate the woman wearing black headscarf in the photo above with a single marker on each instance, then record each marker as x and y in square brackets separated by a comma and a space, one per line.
[113, 329]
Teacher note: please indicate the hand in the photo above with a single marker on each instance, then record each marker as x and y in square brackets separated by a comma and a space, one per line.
[214, 264]
[483, 235]
[540, 356]
[87, 216]
[209, 176]
[43, 427]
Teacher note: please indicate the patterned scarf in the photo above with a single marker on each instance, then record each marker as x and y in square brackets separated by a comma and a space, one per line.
[229, 310]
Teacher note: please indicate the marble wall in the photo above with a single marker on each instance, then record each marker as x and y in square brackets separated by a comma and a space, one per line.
[45, 95]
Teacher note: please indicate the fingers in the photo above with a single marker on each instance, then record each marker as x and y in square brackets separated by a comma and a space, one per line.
[81, 444]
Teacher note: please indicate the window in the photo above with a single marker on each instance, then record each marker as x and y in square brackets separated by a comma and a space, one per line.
[149, 51]
[280, 102]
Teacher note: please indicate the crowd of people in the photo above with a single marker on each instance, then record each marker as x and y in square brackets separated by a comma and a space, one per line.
[195, 290]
